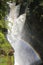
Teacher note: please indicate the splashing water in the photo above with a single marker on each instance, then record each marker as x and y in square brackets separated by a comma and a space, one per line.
[15, 27]
[24, 53]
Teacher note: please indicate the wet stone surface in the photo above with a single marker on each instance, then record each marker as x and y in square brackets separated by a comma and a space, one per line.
[33, 33]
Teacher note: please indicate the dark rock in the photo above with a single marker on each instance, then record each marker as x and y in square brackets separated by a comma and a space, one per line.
[11, 52]
[33, 32]
[2, 52]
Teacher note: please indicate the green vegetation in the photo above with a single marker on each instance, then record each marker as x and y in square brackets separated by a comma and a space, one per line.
[5, 58]
[3, 8]
[5, 46]
[35, 9]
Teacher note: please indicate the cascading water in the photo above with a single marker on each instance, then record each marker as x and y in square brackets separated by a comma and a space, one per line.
[15, 27]
[24, 53]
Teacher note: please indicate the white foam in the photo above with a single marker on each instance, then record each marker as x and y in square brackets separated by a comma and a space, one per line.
[24, 54]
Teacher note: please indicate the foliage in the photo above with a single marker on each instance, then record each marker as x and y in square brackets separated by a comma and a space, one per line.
[35, 10]
[4, 44]
[3, 8]
[2, 38]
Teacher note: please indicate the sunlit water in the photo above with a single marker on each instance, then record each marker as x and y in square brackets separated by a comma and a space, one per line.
[24, 53]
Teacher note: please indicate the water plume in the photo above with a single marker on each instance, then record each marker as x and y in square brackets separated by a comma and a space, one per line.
[24, 52]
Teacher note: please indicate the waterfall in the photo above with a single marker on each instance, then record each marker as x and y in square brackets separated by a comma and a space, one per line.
[15, 23]
[24, 52]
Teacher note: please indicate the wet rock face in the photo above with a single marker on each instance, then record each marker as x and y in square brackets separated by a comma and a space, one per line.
[23, 4]
[33, 33]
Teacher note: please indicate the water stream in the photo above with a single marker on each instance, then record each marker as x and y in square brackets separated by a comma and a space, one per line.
[24, 52]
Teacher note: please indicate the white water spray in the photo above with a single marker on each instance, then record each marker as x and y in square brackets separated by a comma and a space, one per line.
[24, 53]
